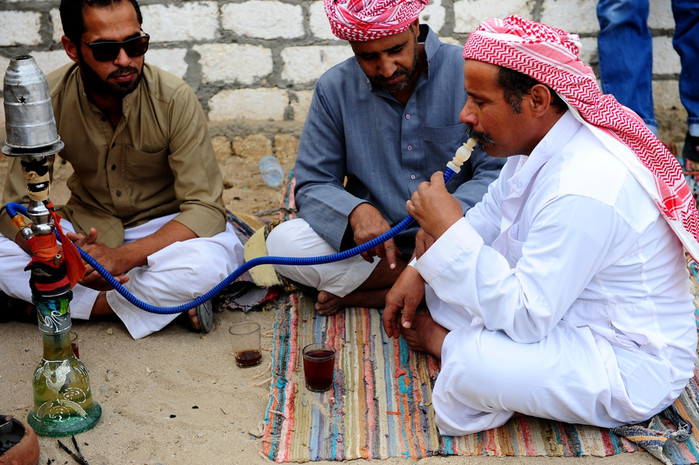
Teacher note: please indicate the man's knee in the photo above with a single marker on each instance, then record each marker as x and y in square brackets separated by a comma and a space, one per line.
[278, 239]
[295, 238]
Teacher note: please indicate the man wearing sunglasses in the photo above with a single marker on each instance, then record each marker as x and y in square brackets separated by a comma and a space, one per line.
[146, 190]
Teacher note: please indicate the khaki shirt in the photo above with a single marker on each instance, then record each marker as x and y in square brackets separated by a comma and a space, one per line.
[157, 161]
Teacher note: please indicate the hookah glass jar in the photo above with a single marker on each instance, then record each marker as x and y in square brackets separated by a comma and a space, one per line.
[63, 404]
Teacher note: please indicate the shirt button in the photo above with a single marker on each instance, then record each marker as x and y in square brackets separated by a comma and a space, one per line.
[407, 116]
[410, 147]
[118, 193]
[412, 176]
[113, 167]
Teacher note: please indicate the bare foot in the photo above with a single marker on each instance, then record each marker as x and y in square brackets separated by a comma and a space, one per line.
[194, 319]
[425, 335]
[329, 304]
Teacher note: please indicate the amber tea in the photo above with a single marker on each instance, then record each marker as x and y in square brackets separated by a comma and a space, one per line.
[245, 340]
[248, 358]
[318, 367]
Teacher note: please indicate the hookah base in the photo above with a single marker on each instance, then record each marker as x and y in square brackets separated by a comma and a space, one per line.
[69, 426]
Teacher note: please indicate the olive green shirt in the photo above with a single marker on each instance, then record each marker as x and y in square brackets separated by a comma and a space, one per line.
[157, 161]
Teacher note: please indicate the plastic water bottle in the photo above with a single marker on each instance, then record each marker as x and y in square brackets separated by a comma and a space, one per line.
[271, 171]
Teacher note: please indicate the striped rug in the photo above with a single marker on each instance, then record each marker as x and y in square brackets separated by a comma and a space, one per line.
[379, 406]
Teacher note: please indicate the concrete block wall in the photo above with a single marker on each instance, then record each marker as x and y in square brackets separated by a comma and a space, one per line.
[253, 63]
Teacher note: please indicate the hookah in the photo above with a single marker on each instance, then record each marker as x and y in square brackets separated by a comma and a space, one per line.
[462, 154]
[63, 404]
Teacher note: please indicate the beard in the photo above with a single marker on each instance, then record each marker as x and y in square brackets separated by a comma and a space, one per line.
[96, 84]
[380, 81]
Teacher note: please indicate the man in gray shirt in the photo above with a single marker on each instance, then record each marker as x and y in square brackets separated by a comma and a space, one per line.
[379, 124]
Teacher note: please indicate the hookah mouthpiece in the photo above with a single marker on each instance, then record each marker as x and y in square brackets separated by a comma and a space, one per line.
[462, 154]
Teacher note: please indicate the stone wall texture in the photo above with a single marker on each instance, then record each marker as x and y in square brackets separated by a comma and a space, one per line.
[253, 63]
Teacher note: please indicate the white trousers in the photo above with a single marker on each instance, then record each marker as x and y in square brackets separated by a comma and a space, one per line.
[173, 276]
[571, 375]
[295, 238]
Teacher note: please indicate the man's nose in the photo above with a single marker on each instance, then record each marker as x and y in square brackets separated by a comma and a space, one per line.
[387, 67]
[467, 115]
[122, 59]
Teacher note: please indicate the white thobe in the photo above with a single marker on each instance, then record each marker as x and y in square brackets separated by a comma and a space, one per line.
[565, 292]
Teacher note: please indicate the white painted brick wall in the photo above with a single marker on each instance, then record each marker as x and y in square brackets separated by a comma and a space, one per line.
[233, 63]
[468, 14]
[195, 21]
[257, 60]
[257, 104]
[304, 65]
[19, 27]
[576, 16]
[264, 19]
[170, 59]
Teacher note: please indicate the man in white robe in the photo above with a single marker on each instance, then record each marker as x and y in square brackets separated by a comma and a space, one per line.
[564, 294]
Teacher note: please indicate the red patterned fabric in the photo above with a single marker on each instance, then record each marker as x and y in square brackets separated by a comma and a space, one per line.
[550, 56]
[363, 20]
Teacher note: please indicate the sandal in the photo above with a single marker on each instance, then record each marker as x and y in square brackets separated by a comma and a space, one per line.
[205, 315]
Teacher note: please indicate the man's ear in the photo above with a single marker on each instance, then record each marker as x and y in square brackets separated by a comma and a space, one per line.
[70, 48]
[415, 25]
[541, 98]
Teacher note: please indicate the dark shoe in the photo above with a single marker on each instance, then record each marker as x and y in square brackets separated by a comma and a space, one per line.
[205, 316]
[691, 148]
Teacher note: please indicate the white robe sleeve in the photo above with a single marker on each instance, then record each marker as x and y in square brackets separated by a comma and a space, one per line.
[568, 241]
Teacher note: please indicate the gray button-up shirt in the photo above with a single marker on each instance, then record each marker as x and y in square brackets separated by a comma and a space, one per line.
[384, 149]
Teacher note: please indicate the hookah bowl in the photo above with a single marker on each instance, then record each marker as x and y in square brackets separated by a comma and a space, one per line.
[63, 404]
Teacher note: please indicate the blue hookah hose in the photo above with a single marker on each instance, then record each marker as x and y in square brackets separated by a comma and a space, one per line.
[14, 208]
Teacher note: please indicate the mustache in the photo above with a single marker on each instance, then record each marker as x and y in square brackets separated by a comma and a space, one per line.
[122, 71]
[393, 76]
[479, 136]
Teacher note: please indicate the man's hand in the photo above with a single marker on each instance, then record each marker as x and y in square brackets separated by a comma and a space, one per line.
[423, 241]
[119, 260]
[110, 259]
[434, 207]
[367, 223]
[402, 302]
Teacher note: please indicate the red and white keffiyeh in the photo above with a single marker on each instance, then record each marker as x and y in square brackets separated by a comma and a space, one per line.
[550, 56]
[363, 20]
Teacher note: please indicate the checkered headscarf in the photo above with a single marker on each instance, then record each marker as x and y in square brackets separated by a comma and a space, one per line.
[363, 20]
[550, 56]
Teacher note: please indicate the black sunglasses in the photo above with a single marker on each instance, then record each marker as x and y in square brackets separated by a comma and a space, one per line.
[108, 50]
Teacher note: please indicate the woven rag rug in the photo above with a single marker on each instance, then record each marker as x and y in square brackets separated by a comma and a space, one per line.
[379, 406]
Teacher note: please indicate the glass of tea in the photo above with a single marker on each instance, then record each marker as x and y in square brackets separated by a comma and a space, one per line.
[318, 366]
[245, 338]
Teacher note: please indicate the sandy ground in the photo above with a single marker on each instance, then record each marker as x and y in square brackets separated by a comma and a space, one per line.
[177, 397]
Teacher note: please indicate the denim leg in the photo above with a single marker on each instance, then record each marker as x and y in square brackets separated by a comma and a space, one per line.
[625, 50]
[686, 43]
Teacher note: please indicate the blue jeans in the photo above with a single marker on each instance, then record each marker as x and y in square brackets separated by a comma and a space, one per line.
[626, 56]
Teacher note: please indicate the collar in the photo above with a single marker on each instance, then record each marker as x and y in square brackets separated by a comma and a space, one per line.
[526, 167]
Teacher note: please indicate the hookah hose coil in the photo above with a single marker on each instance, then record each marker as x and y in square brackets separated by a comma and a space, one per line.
[462, 154]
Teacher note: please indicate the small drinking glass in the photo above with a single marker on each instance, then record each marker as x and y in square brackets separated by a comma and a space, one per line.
[318, 366]
[245, 338]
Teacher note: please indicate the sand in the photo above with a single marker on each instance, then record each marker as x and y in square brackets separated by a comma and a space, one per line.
[177, 397]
